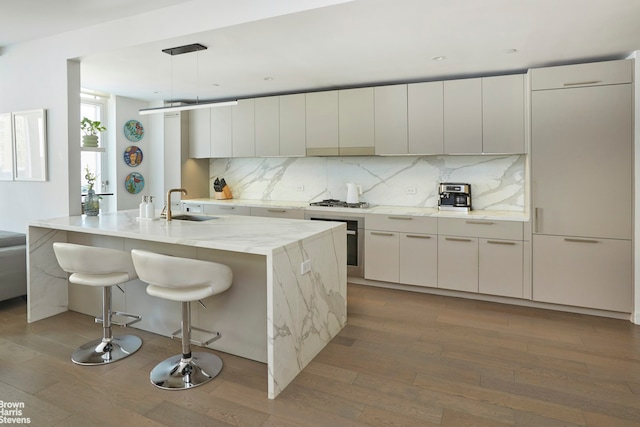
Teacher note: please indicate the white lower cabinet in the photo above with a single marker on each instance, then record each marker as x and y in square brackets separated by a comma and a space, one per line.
[226, 210]
[401, 249]
[278, 212]
[500, 267]
[458, 263]
[583, 272]
[382, 256]
[418, 259]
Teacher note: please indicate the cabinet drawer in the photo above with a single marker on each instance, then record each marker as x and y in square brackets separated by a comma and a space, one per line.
[278, 212]
[402, 223]
[489, 229]
[592, 74]
[594, 273]
[226, 210]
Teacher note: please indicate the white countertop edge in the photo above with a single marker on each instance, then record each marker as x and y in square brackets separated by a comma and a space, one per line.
[123, 224]
[377, 209]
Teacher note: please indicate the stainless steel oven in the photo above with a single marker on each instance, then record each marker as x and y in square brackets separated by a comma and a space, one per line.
[355, 237]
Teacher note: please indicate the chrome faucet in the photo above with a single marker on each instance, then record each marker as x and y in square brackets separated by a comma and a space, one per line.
[168, 205]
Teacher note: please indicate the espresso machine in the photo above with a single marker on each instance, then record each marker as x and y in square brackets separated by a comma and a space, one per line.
[454, 197]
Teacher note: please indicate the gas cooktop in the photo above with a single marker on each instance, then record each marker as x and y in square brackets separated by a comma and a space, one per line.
[334, 203]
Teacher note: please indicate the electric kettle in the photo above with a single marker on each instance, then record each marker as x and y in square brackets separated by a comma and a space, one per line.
[353, 192]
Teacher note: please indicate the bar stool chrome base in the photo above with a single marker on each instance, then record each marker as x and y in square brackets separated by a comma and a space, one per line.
[179, 373]
[101, 351]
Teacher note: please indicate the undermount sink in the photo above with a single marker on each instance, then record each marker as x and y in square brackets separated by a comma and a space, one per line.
[184, 217]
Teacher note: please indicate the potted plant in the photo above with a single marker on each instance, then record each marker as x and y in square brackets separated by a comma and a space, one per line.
[91, 129]
[92, 200]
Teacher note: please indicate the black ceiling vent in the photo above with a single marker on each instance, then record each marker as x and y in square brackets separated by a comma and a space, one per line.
[184, 49]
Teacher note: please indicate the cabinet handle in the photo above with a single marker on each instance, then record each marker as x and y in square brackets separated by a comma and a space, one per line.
[580, 240]
[406, 218]
[377, 233]
[500, 242]
[226, 207]
[455, 239]
[277, 210]
[480, 222]
[537, 214]
[591, 82]
[418, 236]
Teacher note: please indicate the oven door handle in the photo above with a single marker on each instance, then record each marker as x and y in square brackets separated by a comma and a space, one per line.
[351, 232]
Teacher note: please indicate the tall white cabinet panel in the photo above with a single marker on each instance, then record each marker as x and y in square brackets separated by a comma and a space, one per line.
[391, 119]
[267, 126]
[594, 273]
[356, 121]
[322, 123]
[243, 120]
[582, 175]
[221, 132]
[581, 156]
[503, 114]
[463, 116]
[458, 263]
[425, 114]
[292, 125]
[200, 133]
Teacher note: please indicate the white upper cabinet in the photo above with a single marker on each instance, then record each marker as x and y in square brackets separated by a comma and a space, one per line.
[391, 119]
[200, 133]
[356, 122]
[425, 118]
[590, 74]
[221, 132]
[322, 123]
[267, 126]
[463, 116]
[243, 120]
[292, 125]
[503, 128]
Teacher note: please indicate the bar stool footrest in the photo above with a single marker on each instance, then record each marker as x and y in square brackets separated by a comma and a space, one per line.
[135, 319]
[215, 336]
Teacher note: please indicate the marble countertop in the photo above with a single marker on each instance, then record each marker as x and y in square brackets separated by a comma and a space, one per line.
[376, 209]
[254, 235]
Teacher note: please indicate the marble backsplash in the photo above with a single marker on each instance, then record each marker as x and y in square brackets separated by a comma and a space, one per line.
[497, 182]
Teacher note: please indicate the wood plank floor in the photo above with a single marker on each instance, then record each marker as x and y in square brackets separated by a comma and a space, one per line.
[404, 359]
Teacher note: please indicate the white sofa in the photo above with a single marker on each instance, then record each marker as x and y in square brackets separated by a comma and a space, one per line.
[13, 265]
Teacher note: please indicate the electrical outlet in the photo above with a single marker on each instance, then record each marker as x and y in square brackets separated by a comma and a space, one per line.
[411, 190]
[305, 267]
[299, 187]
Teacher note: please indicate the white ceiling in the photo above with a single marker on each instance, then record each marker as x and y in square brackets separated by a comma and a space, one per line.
[357, 43]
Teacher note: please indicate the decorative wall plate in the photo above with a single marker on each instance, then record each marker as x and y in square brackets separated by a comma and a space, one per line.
[133, 156]
[134, 182]
[133, 130]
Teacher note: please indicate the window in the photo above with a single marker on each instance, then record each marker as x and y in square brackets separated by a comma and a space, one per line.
[94, 108]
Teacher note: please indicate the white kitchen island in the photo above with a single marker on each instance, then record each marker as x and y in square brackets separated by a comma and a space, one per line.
[273, 313]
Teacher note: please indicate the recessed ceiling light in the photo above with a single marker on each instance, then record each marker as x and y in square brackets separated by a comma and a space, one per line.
[438, 58]
[215, 84]
[511, 50]
[268, 79]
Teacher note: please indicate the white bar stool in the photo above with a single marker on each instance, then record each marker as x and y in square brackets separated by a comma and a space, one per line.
[92, 266]
[184, 280]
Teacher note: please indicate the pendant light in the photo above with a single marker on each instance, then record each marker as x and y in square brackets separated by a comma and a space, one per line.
[197, 105]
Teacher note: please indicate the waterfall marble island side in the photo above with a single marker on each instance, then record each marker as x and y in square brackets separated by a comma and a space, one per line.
[272, 313]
